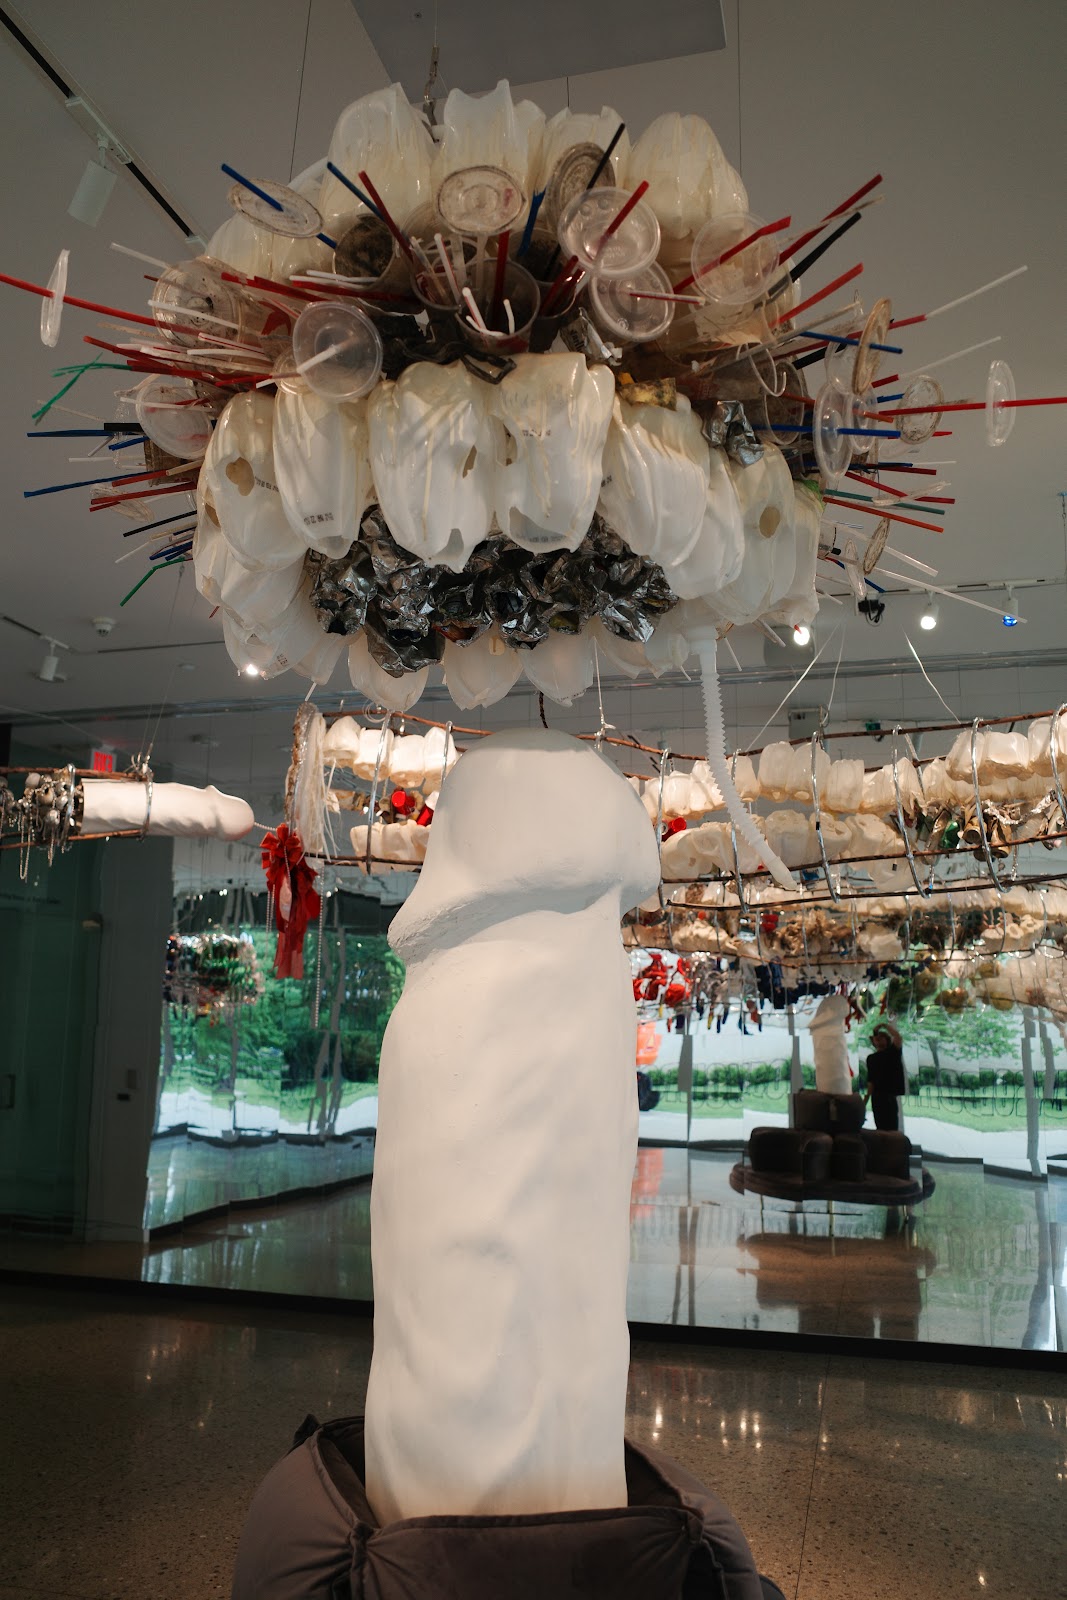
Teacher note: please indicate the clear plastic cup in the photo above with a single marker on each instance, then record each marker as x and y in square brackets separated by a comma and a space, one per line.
[52, 307]
[502, 336]
[583, 232]
[571, 177]
[747, 274]
[924, 391]
[633, 309]
[173, 416]
[365, 250]
[480, 201]
[337, 350]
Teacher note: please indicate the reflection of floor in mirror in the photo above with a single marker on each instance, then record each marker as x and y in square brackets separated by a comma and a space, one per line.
[136, 1435]
[186, 1176]
[984, 1263]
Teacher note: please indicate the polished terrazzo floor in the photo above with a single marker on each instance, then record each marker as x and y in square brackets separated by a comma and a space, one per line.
[133, 1437]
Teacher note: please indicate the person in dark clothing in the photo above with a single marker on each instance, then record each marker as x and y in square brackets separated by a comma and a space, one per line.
[885, 1077]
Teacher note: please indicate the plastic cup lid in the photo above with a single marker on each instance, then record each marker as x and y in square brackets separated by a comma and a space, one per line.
[744, 277]
[622, 312]
[294, 216]
[632, 246]
[52, 308]
[875, 546]
[1000, 386]
[337, 350]
[174, 416]
[833, 449]
[571, 176]
[867, 361]
[480, 200]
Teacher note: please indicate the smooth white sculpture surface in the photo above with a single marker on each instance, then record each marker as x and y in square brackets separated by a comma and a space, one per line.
[507, 1127]
[827, 1029]
[177, 810]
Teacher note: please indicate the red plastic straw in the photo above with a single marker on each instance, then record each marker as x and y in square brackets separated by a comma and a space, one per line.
[813, 300]
[883, 488]
[971, 405]
[497, 306]
[876, 511]
[145, 494]
[735, 249]
[85, 305]
[144, 477]
[268, 283]
[846, 205]
[907, 322]
[401, 238]
[558, 282]
[616, 223]
[880, 383]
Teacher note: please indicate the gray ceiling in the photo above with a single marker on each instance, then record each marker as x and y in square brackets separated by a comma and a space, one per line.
[960, 105]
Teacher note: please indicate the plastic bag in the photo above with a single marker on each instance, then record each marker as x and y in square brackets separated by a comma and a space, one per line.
[561, 666]
[238, 475]
[798, 601]
[323, 466]
[656, 477]
[395, 694]
[625, 656]
[689, 178]
[554, 411]
[384, 135]
[765, 493]
[999, 756]
[479, 673]
[716, 557]
[490, 130]
[433, 454]
[341, 742]
[407, 762]
[792, 835]
[880, 789]
[843, 789]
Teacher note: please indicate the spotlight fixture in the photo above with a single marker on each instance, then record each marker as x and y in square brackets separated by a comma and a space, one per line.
[94, 190]
[251, 670]
[872, 609]
[97, 181]
[801, 635]
[1010, 618]
[48, 671]
[928, 620]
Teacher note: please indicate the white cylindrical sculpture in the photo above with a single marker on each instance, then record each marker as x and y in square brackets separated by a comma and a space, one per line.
[175, 809]
[507, 1127]
[827, 1029]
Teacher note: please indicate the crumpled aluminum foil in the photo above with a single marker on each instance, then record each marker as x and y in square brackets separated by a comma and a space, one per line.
[727, 428]
[409, 609]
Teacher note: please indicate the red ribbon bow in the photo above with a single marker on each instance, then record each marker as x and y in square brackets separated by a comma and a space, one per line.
[290, 881]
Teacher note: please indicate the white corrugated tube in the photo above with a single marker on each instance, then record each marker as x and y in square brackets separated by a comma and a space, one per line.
[703, 641]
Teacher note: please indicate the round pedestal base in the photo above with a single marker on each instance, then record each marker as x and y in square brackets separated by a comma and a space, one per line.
[311, 1532]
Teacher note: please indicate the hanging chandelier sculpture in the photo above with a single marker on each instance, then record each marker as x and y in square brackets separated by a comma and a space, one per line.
[511, 394]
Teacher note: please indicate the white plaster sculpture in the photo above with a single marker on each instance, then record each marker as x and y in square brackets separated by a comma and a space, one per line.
[507, 1128]
[827, 1029]
[174, 809]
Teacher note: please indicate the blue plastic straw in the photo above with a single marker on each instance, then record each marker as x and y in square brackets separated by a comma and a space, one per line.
[84, 483]
[881, 399]
[171, 550]
[253, 187]
[77, 433]
[124, 444]
[839, 338]
[871, 433]
[366, 200]
[778, 427]
[527, 232]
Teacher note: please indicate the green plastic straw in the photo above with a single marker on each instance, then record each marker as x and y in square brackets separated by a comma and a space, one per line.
[46, 408]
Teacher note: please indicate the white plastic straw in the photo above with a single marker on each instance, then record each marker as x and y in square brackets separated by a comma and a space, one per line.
[139, 255]
[943, 361]
[952, 304]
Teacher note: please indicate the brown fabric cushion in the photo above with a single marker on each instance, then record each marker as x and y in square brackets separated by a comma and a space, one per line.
[888, 1154]
[310, 1533]
[811, 1109]
[846, 1113]
[848, 1160]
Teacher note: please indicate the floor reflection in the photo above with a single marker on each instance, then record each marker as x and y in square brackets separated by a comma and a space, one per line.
[983, 1263]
